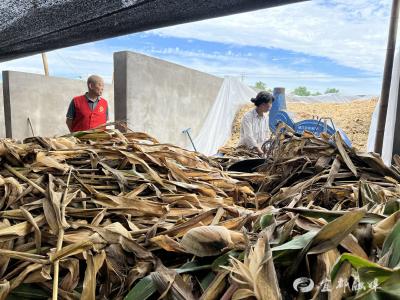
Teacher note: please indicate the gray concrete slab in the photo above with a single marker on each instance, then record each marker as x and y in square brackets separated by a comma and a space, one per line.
[43, 99]
[162, 98]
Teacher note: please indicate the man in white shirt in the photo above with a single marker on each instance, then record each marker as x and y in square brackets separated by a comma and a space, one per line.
[254, 130]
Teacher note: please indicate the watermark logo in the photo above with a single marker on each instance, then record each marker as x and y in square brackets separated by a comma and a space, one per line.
[303, 285]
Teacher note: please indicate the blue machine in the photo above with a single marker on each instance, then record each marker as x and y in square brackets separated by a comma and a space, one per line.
[278, 114]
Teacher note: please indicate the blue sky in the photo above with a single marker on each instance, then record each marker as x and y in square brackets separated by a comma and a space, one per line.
[318, 44]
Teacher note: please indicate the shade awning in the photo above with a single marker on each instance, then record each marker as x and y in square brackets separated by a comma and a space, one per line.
[29, 27]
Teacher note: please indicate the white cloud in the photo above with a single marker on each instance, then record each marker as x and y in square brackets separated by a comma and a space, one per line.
[351, 33]
[32, 64]
[252, 69]
[80, 61]
[75, 62]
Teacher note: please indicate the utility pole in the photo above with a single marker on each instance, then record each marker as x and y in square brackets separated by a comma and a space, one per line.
[387, 77]
[45, 64]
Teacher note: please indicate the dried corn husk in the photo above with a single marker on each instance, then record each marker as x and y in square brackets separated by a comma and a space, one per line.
[211, 240]
[121, 215]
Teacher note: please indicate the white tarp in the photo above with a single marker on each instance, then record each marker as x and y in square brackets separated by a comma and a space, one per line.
[388, 138]
[327, 98]
[372, 129]
[217, 127]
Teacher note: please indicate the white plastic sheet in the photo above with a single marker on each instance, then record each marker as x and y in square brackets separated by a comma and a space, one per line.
[372, 129]
[327, 98]
[388, 138]
[217, 127]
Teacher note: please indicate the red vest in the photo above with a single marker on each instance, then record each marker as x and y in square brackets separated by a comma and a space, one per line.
[85, 118]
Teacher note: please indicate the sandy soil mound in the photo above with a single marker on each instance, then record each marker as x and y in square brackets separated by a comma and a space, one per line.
[354, 118]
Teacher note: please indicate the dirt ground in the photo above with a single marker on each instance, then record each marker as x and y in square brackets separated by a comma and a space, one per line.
[353, 118]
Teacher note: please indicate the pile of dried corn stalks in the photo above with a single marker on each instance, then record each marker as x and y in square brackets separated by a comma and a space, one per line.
[107, 215]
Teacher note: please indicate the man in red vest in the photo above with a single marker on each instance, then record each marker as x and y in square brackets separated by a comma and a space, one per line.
[89, 110]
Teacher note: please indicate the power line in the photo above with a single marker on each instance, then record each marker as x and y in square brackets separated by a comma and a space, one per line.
[68, 65]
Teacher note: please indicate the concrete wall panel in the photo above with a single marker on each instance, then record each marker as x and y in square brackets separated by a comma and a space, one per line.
[44, 100]
[162, 98]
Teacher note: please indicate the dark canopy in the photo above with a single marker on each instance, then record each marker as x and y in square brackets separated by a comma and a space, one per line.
[32, 26]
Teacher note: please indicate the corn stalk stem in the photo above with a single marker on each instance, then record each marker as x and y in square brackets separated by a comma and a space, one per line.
[24, 178]
[59, 243]
[57, 264]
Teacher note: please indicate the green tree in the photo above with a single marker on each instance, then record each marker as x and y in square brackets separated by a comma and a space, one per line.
[331, 91]
[260, 85]
[316, 94]
[301, 91]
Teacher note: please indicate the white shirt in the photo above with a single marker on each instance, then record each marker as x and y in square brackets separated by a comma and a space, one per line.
[254, 130]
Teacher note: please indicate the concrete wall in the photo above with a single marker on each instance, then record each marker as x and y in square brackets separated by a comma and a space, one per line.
[44, 100]
[2, 123]
[162, 98]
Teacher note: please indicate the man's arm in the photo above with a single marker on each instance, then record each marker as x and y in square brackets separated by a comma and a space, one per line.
[69, 124]
[70, 115]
